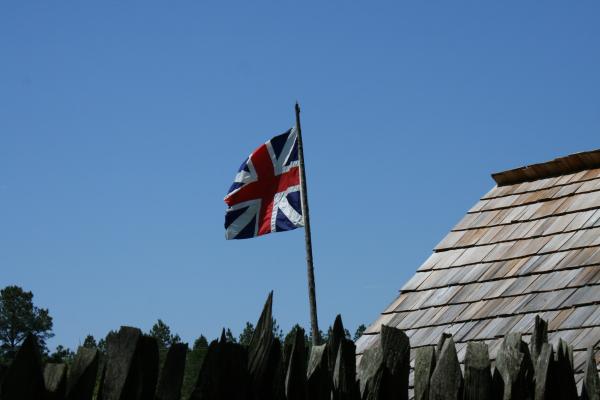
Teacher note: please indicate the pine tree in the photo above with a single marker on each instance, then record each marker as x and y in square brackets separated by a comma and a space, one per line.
[19, 318]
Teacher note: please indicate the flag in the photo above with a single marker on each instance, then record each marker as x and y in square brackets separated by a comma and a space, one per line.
[265, 195]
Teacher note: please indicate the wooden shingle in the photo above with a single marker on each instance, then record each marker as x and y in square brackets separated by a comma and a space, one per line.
[530, 246]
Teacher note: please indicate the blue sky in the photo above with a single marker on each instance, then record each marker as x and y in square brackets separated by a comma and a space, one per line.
[122, 125]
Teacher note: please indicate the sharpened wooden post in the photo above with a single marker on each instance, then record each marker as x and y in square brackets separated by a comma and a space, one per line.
[478, 376]
[171, 377]
[591, 381]
[82, 374]
[446, 381]
[295, 379]
[55, 380]
[545, 380]
[314, 324]
[539, 336]
[567, 390]
[344, 373]
[318, 381]
[514, 368]
[424, 367]
[384, 368]
[24, 379]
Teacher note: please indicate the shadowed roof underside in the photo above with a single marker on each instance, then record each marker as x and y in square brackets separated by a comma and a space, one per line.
[530, 246]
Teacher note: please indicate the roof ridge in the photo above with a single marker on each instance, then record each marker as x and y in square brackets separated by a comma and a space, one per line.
[559, 166]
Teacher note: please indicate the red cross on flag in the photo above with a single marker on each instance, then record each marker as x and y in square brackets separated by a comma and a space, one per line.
[265, 195]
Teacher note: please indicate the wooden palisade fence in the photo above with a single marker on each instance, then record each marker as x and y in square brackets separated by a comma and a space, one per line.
[266, 370]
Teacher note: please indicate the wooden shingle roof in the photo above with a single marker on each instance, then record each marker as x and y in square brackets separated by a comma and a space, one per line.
[530, 246]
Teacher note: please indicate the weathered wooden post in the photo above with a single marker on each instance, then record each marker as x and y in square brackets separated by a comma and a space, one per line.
[344, 373]
[147, 361]
[224, 373]
[446, 381]
[342, 364]
[424, 366]
[344, 385]
[338, 334]
[545, 374]
[100, 394]
[478, 376]
[82, 374]
[171, 376]
[295, 379]
[539, 336]
[514, 369]
[318, 380]
[567, 389]
[384, 368]
[122, 377]
[264, 355]
[284, 352]
[440, 344]
[591, 381]
[55, 380]
[24, 380]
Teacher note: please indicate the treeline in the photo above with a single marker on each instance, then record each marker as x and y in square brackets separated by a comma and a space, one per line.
[19, 317]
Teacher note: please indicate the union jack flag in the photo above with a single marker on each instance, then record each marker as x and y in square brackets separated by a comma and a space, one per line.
[265, 195]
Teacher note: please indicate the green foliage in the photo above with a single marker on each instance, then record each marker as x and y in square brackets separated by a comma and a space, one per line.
[89, 342]
[102, 346]
[201, 343]
[193, 363]
[229, 336]
[19, 318]
[289, 338]
[359, 331]
[102, 342]
[246, 335]
[162, 333]
[330, 332]
[61, 355]
[277, 331]
[325, 336]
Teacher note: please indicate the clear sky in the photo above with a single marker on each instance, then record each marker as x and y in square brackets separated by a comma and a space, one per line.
[122, 124]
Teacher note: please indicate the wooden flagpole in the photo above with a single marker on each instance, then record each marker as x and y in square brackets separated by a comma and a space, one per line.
[314, 324]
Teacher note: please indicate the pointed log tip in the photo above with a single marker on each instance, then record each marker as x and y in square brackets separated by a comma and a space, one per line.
[30, 344]
[338, 325]
[299, 337]
[540, 324]
[388, 329]
[440, 344]
[30, 340]
[268, 307]
[317, 356]
[265, 321]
